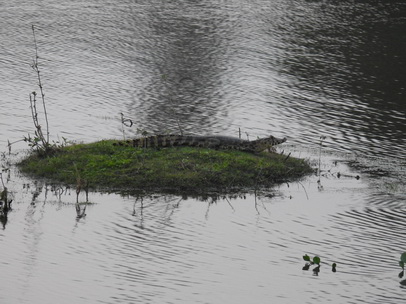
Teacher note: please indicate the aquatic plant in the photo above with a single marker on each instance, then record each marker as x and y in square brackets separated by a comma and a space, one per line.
[40, 142]
[315, 261]
[402, 263]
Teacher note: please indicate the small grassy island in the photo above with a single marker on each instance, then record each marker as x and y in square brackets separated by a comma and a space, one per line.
[105, 166]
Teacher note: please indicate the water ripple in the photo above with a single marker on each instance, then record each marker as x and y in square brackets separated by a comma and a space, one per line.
[373, 236]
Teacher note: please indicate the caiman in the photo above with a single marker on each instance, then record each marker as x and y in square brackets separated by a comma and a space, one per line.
[213, 142]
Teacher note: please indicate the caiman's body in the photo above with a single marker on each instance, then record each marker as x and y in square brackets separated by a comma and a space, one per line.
[214, 142]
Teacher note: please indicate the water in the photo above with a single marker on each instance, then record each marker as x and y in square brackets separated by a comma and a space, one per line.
[300, 69]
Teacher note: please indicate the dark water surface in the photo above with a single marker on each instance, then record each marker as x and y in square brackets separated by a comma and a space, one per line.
[300, 69]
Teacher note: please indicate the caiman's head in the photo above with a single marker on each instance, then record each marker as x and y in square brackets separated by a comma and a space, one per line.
[267, 143]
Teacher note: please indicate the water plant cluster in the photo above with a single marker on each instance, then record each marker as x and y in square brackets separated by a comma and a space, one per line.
[315, 261]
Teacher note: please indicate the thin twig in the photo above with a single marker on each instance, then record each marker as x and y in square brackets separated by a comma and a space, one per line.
[36, 68]
[122, 125]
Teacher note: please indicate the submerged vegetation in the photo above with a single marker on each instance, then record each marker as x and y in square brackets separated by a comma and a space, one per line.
[182, 169]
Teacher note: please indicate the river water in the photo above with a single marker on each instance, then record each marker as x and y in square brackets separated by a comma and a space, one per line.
[294, 68]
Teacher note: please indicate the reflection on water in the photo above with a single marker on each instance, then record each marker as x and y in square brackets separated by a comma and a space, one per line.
[170, 249]
[299, 69]
[376, 234]
[187, 65]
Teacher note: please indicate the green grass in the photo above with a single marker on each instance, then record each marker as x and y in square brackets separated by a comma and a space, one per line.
[181, 169]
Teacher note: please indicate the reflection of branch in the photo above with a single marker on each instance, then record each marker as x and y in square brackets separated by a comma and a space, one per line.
[229, 203]
[142, 206]
[206, 216]
[2, 182]
[255, 199]
[36, 193]
[177, 204]
[141, 216]
[80, 213]
[304, 190]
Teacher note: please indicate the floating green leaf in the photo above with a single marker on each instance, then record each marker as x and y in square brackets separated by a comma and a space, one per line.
[316, 260]
[403, 257]
[306, 258]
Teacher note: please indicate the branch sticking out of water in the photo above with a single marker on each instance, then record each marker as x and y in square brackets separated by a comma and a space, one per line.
[40, 142]
[35, 67]
[125, 122]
